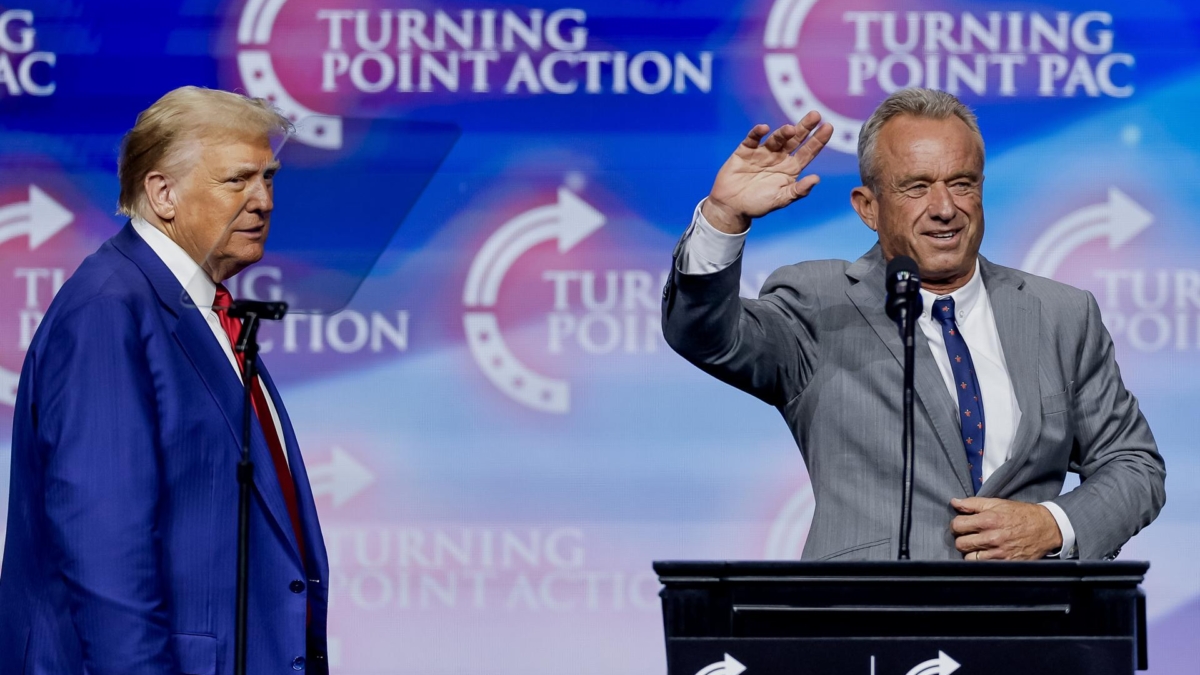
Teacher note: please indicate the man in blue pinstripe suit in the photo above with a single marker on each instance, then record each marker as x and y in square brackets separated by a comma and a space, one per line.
[120, 556]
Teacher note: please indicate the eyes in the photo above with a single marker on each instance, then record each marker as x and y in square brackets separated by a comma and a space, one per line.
[959, 187]
[239, 182]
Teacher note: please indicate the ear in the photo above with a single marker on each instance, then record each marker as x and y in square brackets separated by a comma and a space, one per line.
[160, 195]
[864, 202]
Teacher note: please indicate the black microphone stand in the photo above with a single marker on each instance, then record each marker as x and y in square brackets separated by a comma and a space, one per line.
[251, 312]
[908, 323]
[903, 305]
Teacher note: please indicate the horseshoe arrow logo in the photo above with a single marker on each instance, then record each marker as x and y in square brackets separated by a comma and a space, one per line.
[569, 221]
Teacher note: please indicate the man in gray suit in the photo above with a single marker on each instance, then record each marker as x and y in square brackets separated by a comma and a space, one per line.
[1027, 355]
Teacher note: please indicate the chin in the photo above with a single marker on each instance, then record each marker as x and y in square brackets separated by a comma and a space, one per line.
[940, 269]
[236, 263]
[250, 257]
[959, 274]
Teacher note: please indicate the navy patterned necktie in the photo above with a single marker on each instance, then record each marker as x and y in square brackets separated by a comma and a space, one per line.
[970, 399]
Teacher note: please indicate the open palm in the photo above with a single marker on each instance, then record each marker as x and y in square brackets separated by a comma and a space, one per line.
[761, 175]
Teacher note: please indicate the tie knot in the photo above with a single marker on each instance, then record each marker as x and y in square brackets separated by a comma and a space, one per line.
[943, 310]
[223, 300]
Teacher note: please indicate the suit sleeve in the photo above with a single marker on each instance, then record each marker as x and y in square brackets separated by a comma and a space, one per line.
[96, 431]
[1122, 475]
[766, 347]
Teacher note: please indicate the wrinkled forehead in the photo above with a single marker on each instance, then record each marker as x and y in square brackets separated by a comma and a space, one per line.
[910, 144]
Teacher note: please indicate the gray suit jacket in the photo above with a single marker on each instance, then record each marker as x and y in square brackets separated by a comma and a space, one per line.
[818, 346]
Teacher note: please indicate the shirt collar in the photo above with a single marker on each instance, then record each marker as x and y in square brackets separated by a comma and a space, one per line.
[199, 286]
[965, 298]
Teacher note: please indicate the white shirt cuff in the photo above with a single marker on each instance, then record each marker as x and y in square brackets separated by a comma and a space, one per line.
[705, 249]
[1064, 527]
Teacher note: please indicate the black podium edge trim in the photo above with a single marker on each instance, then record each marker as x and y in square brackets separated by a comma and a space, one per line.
[905, 579]
[922, 609]
[912, 638]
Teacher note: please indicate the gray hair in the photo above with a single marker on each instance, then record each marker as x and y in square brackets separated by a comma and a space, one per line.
[914, 101]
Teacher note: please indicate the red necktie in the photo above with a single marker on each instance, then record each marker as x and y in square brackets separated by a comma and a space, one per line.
[258, 399]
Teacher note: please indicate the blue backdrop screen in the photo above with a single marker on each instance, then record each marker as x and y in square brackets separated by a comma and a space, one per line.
[499, 439]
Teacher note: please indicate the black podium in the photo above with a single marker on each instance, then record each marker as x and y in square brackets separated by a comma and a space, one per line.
[903, 618]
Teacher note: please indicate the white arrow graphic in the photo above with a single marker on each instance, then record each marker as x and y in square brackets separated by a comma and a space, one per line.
[1119, 219]
[942, 665]
[39, 219]
[569, 221]
[729, 666]
[342, 478]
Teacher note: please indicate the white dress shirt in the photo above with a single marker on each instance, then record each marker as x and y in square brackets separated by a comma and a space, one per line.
[203, 291]
[706, 250]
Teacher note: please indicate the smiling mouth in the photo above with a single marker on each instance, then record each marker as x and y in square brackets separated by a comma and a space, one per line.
[945, 236]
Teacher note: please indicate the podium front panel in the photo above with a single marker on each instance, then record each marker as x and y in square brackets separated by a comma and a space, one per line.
[874, 617]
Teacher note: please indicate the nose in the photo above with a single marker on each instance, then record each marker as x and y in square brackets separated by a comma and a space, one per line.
[941, 204]
[261, 198]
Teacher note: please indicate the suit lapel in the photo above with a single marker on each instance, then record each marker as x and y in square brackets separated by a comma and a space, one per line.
[210, 362]
[943, 411]
[208, 358]
[1018, 322]
[868, 296]
[308, 512]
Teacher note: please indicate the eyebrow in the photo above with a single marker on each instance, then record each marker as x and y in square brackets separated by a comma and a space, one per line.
[913, 178]
[247, 170]
[963, 174]
[920, 178]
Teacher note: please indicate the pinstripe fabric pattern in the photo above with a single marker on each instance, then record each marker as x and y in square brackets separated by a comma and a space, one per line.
[121, 539]
[817, 345]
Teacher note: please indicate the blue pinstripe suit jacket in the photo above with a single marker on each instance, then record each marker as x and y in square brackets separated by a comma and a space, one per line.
[121, 544]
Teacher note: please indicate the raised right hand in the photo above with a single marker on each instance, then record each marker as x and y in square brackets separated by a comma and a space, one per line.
[760, 176]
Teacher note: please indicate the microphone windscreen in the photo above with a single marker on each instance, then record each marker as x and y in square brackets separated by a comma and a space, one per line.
[901, 263]
[901, 289]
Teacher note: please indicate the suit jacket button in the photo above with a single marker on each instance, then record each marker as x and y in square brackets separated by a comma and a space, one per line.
[296, 586]
[298, 663]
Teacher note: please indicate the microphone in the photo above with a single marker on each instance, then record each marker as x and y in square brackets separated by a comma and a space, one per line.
[903, 285]
[903, 304]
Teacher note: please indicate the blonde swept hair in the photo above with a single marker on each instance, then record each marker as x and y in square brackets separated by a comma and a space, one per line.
[164, 132]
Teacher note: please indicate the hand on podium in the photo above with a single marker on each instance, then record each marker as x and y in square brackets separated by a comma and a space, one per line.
[1002, 529]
